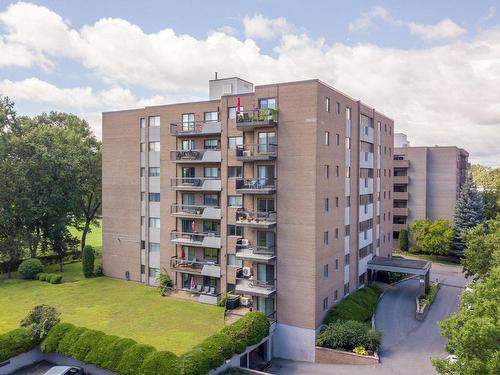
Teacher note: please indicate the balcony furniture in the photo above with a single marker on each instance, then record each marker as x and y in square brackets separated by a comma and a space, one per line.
[198, 288]
[206, 289]
[212, 290]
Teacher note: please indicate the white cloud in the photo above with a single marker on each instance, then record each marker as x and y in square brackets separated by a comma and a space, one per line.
[446, 94]
[443, 30]
[367, 20]
[260, 27]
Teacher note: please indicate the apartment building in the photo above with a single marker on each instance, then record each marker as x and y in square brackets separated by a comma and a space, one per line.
[427, 181]
[278, 193]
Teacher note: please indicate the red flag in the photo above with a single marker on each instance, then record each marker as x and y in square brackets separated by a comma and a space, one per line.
[193, 227]
[238, 105]
[193, 285]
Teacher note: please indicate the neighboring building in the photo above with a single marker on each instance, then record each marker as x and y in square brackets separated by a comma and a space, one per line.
[427, 181]
[283, 205]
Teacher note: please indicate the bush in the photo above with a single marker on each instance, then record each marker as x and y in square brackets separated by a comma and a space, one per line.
[360, 350]
[132, 359]
[51, 342]
[15, 342]
[112, 355]
[87, 340]
[164, 363]
[194, 362]
[217, 349]
[41, 276]
[358, 306]
[403, 239]
[68, 340]
[88, 258]
[55, 278]
[98, 270]
[96, 354]
[347, 335]
[40, 321]
[30, 268]
[249, 330]
[390, 277]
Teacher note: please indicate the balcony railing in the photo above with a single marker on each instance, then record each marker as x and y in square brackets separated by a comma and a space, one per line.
[251, 152]
[196, 183]
[259, 118]
[195, 156]
[196, 239]
[195, 211]
[255, 287]
[202, 267]
[256, 219]
[256, 185]
[261, 254]
[195, 128]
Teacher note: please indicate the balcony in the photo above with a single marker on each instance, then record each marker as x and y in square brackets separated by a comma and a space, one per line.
[195, 156]
[400, 195]
[261, 118]
[256, 219]
[400, 211]
[196, 267]
[195, 128]
[196, 184]
[196, 212]
[256, 185]
[260, 254]
[258, 152]
[401, 163]
[255, 287]
[398, 227]
[400, 179]
[196, 239]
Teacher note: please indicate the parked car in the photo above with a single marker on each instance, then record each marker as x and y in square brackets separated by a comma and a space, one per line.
[65, 370]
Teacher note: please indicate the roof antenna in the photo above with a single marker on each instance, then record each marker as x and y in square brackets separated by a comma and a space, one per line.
[216, 76]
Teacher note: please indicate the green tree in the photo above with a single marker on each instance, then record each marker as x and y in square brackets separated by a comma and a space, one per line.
[482, 252]
[473, 331]
[432, 237]
[88, 258]
[403, 239]
[469, 212]
[487, 180]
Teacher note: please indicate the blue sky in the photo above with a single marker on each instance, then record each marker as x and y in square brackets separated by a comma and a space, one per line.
[431, 65]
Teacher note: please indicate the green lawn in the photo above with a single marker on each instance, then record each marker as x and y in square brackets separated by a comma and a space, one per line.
[116, 307]
[433, 258]
[94, 237]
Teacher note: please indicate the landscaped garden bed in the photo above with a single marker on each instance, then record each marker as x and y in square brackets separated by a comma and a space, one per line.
[424, 303]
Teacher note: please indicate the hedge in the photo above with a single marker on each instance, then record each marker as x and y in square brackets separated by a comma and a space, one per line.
[126, 357]
[53, 278]
[15, 342]
[358, 306]
[29, 268]
[88, 258]
[45, 259]
[349, 334]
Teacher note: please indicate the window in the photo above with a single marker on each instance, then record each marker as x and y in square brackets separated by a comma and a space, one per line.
[154, 146]
[267, 142]
[348, 143]
[153, 247]
[143, 147]
[337, 139]
[265, 205]
[211, 200]
[327, 171]
[379, 126]
[211, 144]
[234, 230]
[143, 269]
[337, 202]
[389, 192]
[385, 150]
[187, 144]
[325, 304]
[325, 270]
[231, 113]
[143, 123]
[235, 201]
[142, 220]
[326, 204]
[336, 264]
[327, 138]
[347, 113]
[338, 107]
[385, 128]
[347, 230]
[154, 171]
[211, 226]
[325, 237]
[336, 233]
[347, 172]
[187, 121]
[346, 289]
[188, 172]
[327, 104]
[154, 222]
[154, 272]
[142, 196]
[267, 103]
[211, 172]
[142, 171]
[211, 116]
[234, 172]
[390, 130]
[361, 279]
[154, 121]
[154, 197]
[232, 261]
[348, 201]
[211, 254]
[335, 295]
[337, 170]
[347, 259]
[233, 142]
[365, 251]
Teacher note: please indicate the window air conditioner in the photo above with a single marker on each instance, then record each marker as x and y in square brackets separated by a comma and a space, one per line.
[245, 301]
[247, 271]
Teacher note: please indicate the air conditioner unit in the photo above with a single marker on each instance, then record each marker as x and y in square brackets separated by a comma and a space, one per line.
[247, 153]
[244, 242]
[247, 271]
[245, 301]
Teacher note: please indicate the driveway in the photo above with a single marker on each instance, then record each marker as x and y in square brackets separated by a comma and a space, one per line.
[39, 368]
[407, 343]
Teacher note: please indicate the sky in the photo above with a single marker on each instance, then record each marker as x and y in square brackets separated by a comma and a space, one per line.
[432, 66]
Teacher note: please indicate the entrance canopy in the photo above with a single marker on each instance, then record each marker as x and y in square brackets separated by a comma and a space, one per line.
[413, 266]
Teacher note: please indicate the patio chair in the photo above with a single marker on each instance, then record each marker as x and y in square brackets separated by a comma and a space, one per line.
[198, 288]
[212, 290]
[206, 289]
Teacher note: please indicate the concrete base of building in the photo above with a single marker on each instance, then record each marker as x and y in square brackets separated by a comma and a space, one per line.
[294, 343]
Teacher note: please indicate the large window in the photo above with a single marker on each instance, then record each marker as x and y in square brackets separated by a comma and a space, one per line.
[233, 142]
[211, 226]
[267, 103]
[211, 254]
[154, 146]
[231, 113]
[267, 142]
[211, 144]
[211, 200]
[211, 172]
[211, 116]
[154, 222]
[235, 171]
[265, 205]
[234, 230]
[188, 122]
[235, 201]
[187, 144]
[154, 272]
[154, 247]
[154, 197]
[154, 171]
[154, 121]
[233, 261]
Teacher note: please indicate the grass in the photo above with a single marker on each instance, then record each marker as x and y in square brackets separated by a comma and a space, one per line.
[442, 259]
[94, 237]
[115, 307]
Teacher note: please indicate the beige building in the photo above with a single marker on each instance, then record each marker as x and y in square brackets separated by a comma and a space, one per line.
[279, 194]
[427, 181]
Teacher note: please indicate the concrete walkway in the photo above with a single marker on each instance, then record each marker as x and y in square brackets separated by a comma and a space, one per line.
[407, 343]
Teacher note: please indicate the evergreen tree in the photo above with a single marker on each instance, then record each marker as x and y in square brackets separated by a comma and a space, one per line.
[469, 212]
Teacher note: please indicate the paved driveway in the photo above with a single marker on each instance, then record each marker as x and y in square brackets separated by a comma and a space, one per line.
[407, 343]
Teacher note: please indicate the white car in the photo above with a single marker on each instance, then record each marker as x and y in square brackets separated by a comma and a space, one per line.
[65, 370]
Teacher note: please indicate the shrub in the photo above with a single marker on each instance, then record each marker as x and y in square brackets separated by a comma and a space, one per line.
[88, 258]
[51, 342]
[217, 349]
[15, 342]
[98, 270]
[87, 340]
[29, 268]
[155, 363]
[95, 355]
[194, 362]
[390, 277]
[164, 282]
[132, 359]
[249, 330]
[42, 276]
[55, 278]
[68, 340]
[403, 239]
[112, 355]
[40, 321]
[347, 335]
[360, 350]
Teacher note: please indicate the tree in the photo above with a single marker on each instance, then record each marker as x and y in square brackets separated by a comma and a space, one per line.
[403, 239]
[488, 181]
[468, 213]
[473, 331]
[88, 258]
[482, 252]
[432, 237]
